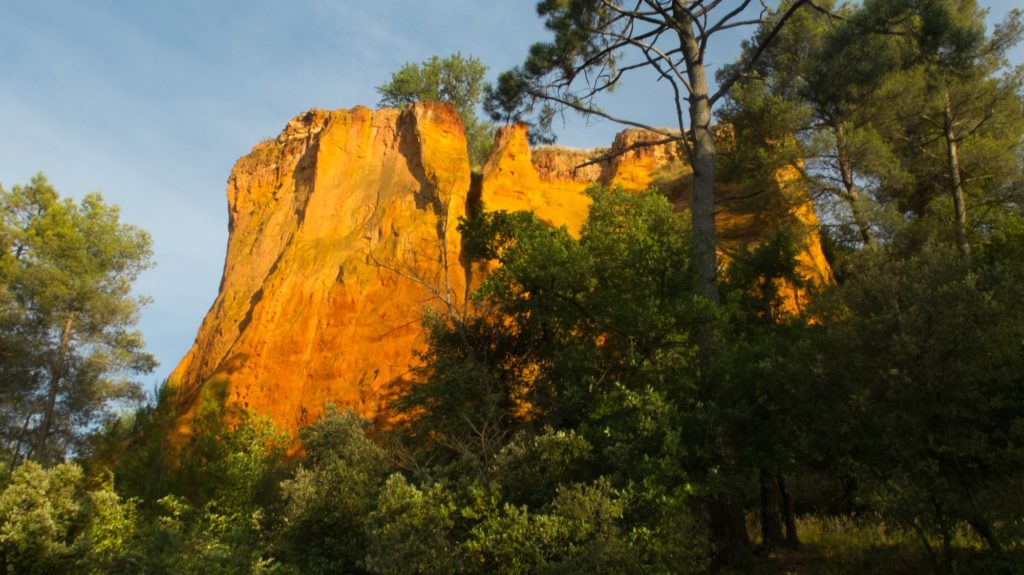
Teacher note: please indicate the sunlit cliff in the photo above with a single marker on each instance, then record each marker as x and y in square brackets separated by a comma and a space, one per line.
[343, 230]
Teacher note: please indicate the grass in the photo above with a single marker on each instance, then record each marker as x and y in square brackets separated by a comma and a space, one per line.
[869, 545]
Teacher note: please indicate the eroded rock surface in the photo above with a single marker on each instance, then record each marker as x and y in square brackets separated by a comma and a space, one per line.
[341, 229]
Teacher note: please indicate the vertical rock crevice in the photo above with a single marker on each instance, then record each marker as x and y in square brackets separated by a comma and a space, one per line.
[344, 227]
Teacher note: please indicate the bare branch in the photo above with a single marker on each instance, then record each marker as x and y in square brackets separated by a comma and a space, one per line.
[723, 23]
[678, 102]
[605, 115]
[635, 146]
[648, 48]
[831, 15]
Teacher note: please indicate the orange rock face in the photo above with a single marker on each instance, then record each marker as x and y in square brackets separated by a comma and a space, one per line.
[333, 227]
[343, 230]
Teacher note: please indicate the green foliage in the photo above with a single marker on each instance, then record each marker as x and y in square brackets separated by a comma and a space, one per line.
[927, 354]
[761, 281]
[562, 322]
[859, 106]
[570, 383]
[959, 111]
[580, 533]
[809, 105]
[594, 412]
[177, 538]
[535, 91]
[112, 528]
[409, 532]
[211, 504]
[456, 79]
[137, 449]
[329, 497]
[582, 528]
[231, 461]
[39, 511]
[68, 318]
[51, 522]
[533, 466]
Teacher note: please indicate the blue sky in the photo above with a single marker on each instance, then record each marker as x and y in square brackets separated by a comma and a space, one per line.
[152, 102]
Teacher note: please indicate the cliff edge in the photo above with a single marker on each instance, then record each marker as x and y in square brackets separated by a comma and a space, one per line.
[343, 229]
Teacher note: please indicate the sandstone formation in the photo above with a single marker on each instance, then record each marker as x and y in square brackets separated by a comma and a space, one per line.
[343, 229]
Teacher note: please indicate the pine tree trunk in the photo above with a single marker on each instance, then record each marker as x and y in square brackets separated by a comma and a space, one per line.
[726, 519]
[729, 537]
[57, 372]
[702, 203]
[788, 514]
[771, 513]
[853, 196]
[23, 441]
[956, 183]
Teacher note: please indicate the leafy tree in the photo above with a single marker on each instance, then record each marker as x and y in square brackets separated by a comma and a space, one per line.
[178, 538]
[410, 531]
[809, 104]
[579, 359]
[598, 43]
[456, 79]
[111, 531]
[963, 127]
[51, 522]
[213, 504]
[582, 528]
[927, 355]
[329, 497]
[559, 323]
[66, 281]
[231, 462]
[953, 111]
[39, 511]
[765, 392]
[581, 531]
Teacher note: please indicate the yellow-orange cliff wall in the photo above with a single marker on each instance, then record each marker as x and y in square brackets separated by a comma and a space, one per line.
[339, 230]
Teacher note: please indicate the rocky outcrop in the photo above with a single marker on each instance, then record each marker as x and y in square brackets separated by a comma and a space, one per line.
[343, 230]
[550, 182]
[335, 229]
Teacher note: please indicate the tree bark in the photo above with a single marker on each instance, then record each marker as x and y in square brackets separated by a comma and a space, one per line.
[788, 514]
[702, 203]
[956, 182]
[728, 527]
[726, 519]
[771, 513]
[56, 376]
[984, 529]
[16, 456]
[946, 531]
[853, 196]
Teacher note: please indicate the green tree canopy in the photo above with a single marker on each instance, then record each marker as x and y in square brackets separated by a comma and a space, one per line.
[927, 354]
[456, 79]
[798, 108]
[960, 107]
[598, 43]
[888, 108]
[69, 317]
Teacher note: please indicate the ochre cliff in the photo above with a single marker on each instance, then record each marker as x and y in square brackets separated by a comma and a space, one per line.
[326, 224]
[343, 228]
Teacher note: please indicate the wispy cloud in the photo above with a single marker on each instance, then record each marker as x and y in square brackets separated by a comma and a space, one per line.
[152, 103]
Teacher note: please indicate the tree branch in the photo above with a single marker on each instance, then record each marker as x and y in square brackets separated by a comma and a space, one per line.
[586, 110]
[725, 86]
[635, 146]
